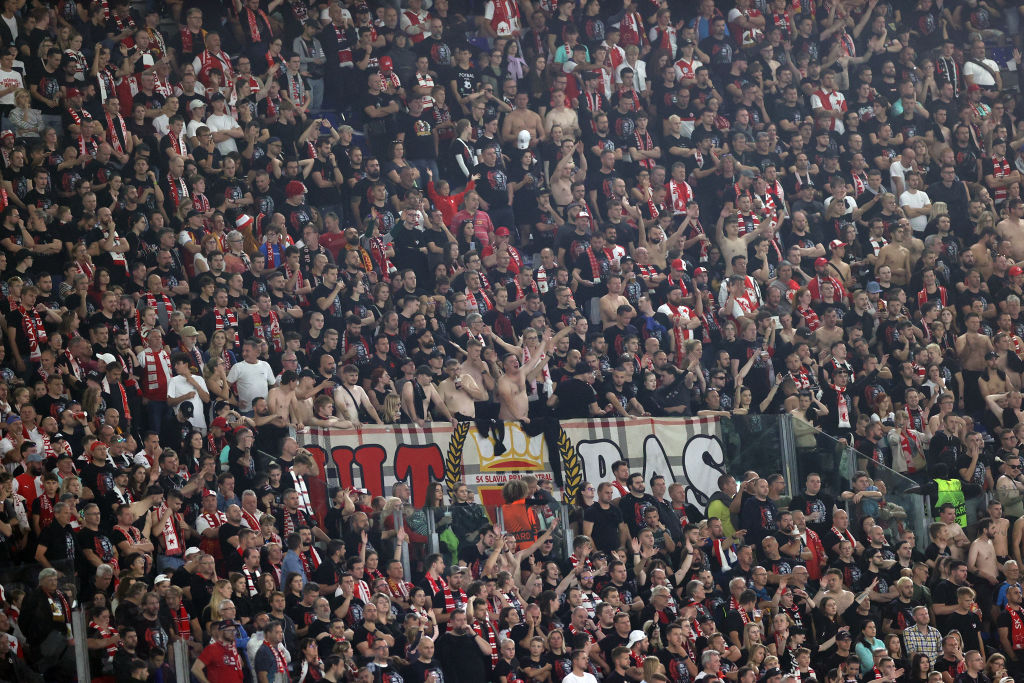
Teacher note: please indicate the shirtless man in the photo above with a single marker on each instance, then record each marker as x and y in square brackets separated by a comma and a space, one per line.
[561, 115]
[1000, 531]
[980, 257]
[833, 588]
[476, 367]
[897, 256]
[830, 332]
[1012, 228]
[956, 539]
[611, 301]
[981, 558]
[520, 119]
[514, 403]
[730, 241]
[657, 244]
[349, 397]
[281, 396]
[972, 347]
[301, 408]
[460, 392]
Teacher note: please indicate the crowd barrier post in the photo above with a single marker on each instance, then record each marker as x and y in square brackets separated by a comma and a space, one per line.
[567, 533]
[81, 635]
[788, 449]
[433, 542]
[180, 661]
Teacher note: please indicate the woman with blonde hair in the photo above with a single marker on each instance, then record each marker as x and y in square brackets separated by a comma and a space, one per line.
[25, 121]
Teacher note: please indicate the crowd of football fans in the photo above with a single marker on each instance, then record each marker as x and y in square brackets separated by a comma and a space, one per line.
[223, 224]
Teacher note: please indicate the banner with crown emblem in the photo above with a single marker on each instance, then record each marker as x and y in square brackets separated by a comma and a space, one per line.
[685, 450]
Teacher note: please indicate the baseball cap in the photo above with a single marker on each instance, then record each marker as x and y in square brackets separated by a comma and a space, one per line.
[196, 104]
[835, 244]
[194, 213]
[747, 173]
[635, 637]
[700, 271]
[523, 141]
[34, 457]
[220, 423]
[189, 331]
[874, 288]
[228, 623]
[1016, 270]
[107, 358]
[217, 96]
[74, 92]
[583, 214]
[160, 579]
[7, 133]
[820, 261]
[502, 231]
[189, 552]
[294, 188]
[678, 264]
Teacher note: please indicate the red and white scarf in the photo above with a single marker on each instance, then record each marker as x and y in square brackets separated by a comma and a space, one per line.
[310, 562]
[299, 484]
[733, 605]
[107, 631]
[158, 366]
[1000, 168]
[478, 628]
[271, 332]
[251, 577]
[178, 188]
[172, 541]
[844, 535]
[165, 301]
[908, 444]
[471, 300]
[1016, 628]
[118, 142]
[441, 586]
[35, 332]
[842, 408]
[722, 552]
[182, 622]
[228, 322]
[45, 511]
[254, 24]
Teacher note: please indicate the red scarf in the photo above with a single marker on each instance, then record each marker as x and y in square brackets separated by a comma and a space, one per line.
[165, 301]
[107, 631]
[228, 322]
[310, 562]
[595, 267]
[478, 628]
[45, 511]
[733, 605]
[118, 141]
[183, 622]
[439, 585]
[254, 25]
[845, 536]
[78, 117]
[1016, 628]
[471, 300]
[271, 332]
[35, 333]
[842, 410]
[282, 665]
[179, 189]
[1000, 168]
[810, 317]
[644, 143]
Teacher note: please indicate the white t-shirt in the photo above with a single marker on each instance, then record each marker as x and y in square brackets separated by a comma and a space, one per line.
[253, 381]
[162, 124]
[585, 678]
[10, 79]
[179, 386]
[916, 200]
[978, 75]
[898, 170]
[219, 122]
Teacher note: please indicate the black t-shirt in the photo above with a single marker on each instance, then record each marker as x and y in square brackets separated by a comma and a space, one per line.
[419, 135]
[574, 398]
[493, 185]
[60, 543]
[808, 504]
[606, 526]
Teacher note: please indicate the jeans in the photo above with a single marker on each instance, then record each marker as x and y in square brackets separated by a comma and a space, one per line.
[164, 563]
[316, 94]
[155, 411]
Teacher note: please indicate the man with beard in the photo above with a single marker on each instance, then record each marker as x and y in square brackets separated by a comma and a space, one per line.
[150, 628]
[94, 547]
[634, 504]
[57, 544]
[898, 615]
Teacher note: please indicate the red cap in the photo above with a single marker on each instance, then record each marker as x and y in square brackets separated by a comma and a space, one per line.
[294, 188]
[835, 244]
[678, 264]
[700, 271]
[502, 231]
[209, 492]
[1016, 270]
[973, 87]
[220, 422]
[583, 214]
[74, 92]
[820, 261]
[386, 64]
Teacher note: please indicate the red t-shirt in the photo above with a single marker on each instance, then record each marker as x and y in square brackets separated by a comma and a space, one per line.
[223, 664]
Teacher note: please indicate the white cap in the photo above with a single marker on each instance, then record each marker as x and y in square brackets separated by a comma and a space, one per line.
[524, 140]
[160, 579]
[190, 551]
[107, 358]
[195, 104]
[635, 637]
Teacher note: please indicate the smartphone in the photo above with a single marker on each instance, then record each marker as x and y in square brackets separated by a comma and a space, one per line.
[778, 324]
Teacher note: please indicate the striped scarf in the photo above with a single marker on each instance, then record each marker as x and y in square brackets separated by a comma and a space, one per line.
[478, 628]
